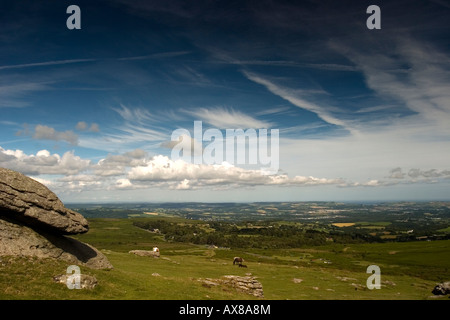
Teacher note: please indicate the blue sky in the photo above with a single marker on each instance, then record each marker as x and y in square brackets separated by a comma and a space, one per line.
[362, 114]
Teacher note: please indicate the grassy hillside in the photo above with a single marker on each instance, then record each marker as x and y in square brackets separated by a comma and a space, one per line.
[409, 270]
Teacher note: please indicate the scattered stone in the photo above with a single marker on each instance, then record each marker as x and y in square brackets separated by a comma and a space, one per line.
[345, 278]
[296, 280]
[358, 286]
[155, 274]
[209, 283]
[86, 281]
[247, 284]
[388, 283]
[145, 253]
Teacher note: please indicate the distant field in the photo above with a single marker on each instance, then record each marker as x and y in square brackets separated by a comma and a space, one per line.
[409, 270]
[343, 224]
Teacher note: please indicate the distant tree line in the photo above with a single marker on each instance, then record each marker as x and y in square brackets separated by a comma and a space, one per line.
[224, 234]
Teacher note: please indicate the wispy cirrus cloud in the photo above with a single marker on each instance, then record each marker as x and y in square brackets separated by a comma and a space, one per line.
[137, 127]
[45, 63]
[13, 95]
[414, 75]
[299, 98]
[223, 118]
[159, 55]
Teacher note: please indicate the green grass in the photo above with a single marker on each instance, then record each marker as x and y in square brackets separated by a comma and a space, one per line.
[409, 270]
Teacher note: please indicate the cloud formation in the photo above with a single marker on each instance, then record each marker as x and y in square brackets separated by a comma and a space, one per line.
[223, 118]
[136, 170]
[183, 175]
[83, 126]
[299, 98]
[42, 132]
[415, 75]
[43, 162]
[416, 173]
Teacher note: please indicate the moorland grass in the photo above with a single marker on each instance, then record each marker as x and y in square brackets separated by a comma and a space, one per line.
[409, 270]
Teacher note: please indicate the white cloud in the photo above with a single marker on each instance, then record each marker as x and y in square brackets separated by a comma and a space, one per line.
[42, 162]
[84, 126]
[298, 98]
[47, 183]
[81, 126]
[12, 95]
[396, 174]
[46, 63]
[408, 129]
[227, 118]
[116, 165]
[123, 184]
[48, 133]
[139, 129]
[414, 74]
[135, 170]
[183, 175]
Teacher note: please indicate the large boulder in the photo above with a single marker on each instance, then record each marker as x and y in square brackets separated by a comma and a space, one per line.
[17, 239]
[32, 203]
[34, 223]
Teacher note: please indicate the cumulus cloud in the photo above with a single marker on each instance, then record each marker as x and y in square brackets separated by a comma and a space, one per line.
[123, 184]
[184, 142]
[180, 174]
[83, 126]
[136, 170]
[396, 173]
[43, 162]
[115, 165]
[42, 132]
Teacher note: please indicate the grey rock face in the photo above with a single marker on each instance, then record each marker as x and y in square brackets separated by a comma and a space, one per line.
[29, 201]
[34, 222]
[19, 240]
